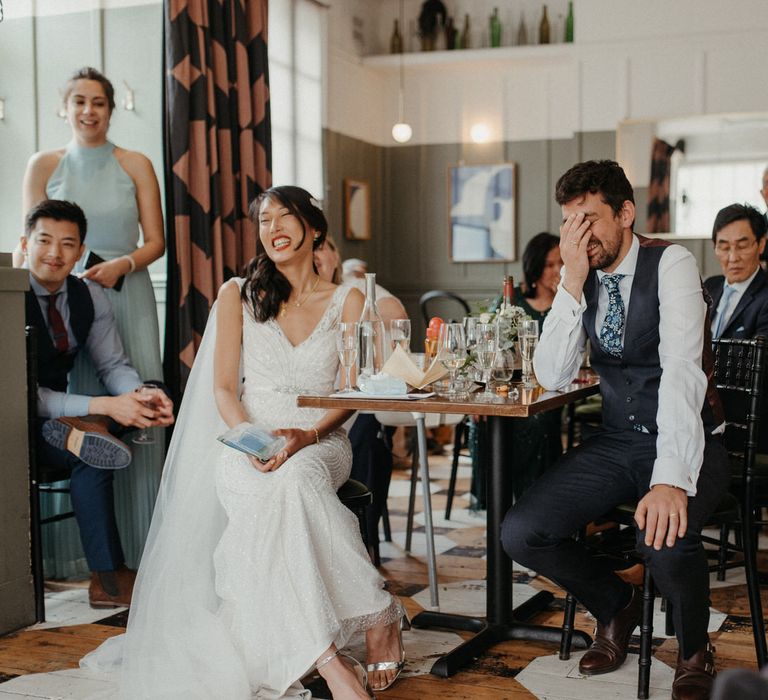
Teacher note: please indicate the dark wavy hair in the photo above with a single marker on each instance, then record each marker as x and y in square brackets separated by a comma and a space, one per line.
[534, 259]
[88, 73]
[265, 286]
[737, 212]
[58, 210]
[603, 177]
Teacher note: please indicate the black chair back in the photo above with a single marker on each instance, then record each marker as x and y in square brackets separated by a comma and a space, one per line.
[739, 376]
[447, 305]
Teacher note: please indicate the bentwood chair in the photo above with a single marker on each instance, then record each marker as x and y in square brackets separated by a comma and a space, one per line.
[739, 371]
[447, 305]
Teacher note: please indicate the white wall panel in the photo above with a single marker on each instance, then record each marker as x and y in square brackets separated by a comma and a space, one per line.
[662, 82]
[735, 77]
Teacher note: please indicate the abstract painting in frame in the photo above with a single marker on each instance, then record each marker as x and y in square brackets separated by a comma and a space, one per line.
[482, 213]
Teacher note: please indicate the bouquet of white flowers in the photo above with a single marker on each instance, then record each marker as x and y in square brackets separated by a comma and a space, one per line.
[507, 320]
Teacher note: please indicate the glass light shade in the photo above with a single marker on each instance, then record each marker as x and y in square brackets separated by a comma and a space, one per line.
[480, 133]
[402, 132]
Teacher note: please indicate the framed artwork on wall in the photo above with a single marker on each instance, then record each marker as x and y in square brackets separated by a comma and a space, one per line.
[481, 201]
[357, 210]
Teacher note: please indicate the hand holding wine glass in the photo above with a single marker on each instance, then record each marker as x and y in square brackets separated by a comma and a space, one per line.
[347, 347]
[452, 351]
[147, 392]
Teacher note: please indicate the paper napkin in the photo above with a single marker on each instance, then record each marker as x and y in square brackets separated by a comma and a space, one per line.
[401, 365]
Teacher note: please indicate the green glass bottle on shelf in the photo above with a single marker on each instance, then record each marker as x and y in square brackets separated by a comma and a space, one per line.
[569, 24]
[466, 42]
[396, 42]
[495, 27]
[544, 27]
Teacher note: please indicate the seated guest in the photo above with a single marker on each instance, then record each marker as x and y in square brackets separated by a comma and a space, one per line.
[740, 294]
[73, 315]
[353, 268]
[641, 305]
[371, 442]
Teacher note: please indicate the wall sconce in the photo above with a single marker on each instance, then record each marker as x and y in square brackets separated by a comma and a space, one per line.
[401, 131]
[480, 133]
[129, 102]
[2, 109]
[61, 110]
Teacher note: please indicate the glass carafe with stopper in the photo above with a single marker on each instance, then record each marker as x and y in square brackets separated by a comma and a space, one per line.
[371, 331]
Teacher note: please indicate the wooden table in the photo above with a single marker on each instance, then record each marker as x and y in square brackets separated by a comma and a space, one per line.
[502, 621]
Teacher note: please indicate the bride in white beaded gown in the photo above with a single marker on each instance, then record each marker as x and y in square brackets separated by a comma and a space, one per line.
[255, 572]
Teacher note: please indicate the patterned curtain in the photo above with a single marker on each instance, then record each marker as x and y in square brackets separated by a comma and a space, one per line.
[218, 158]
[658, 190]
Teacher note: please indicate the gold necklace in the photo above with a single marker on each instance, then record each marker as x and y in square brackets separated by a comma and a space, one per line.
[302, 299]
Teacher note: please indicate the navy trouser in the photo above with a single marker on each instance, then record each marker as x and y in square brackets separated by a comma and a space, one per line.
[372, 464]
[609, 469]
[93, 504]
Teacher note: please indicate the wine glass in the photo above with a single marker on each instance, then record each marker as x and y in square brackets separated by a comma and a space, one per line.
[485, 355]
[346, 346]
[400, 332]
[528, 336]
[146, 395]
[452, 351]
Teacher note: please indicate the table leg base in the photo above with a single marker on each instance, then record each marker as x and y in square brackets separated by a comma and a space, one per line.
[488, 634]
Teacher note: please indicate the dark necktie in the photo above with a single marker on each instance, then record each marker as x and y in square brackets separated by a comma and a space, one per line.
[613, 324]
[56, 323]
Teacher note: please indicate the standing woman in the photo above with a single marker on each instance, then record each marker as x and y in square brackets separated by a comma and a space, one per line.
[120, 195]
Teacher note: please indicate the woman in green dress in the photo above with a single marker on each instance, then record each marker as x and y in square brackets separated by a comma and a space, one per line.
[119, 193]
[536, 441]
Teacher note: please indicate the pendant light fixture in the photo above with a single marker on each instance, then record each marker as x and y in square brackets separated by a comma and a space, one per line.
[401, 131]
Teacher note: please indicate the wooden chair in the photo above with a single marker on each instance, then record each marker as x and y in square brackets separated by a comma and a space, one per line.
[738, 374]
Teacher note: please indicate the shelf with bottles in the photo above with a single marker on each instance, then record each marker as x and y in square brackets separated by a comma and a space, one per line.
[467, 56]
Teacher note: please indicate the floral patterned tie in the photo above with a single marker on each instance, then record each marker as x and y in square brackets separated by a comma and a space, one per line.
[613, 324]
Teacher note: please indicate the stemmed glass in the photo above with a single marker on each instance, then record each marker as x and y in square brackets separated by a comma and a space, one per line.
[347, 346]
[400, 332]
[146, 392]
[528, 336]
[485, 355]
[452, 351]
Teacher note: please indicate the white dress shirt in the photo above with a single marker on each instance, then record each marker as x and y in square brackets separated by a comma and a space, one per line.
[683, 384]
[738, 291]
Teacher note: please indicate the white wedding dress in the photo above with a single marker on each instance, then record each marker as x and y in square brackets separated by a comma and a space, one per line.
[249, 577]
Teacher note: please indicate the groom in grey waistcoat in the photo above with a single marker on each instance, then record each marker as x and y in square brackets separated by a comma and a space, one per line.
[641, 305]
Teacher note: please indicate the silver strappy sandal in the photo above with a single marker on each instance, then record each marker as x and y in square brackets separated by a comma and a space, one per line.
[353, 664]
[397, 666]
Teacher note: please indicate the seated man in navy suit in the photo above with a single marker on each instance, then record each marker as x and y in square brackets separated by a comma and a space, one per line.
[740, 294]
[71, 315]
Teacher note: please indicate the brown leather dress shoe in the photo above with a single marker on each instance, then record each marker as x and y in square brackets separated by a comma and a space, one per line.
[694, 677]
[609, 650]
[111, 589]
[88, 438]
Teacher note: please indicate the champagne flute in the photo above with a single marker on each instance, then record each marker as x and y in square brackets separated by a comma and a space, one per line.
[400, 332]
[470, 334]
[347, 346]
[145, 391]
[452, 351]
[485, 355]
[528, 335]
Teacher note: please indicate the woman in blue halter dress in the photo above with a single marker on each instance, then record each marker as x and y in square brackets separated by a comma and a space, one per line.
[119, 193]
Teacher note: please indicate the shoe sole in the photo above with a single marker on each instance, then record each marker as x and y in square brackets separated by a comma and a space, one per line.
[94, 449]
[106, 605]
